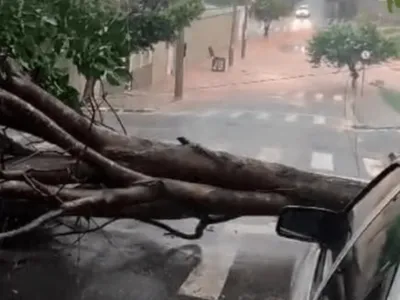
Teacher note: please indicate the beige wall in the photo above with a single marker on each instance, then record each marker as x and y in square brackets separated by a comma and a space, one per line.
[160, 61]
[212, 29]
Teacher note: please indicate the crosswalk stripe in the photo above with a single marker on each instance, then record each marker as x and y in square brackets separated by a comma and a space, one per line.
[300, 95]
[219, 147]
[209, 113]
[264, 229]
[236, 114]
[319, 97]
[338, 98]
[179, 113]
[270, 154]
[172, 142]
[207, 279]
[291, 118]
[319, 120]
[262, 116]
[373, 166]
[322, 161]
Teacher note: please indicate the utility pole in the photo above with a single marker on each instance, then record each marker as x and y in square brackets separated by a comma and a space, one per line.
[179, 65]
[244, 29]
[232, 42]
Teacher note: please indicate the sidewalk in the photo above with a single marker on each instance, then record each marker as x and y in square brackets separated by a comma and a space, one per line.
[265, 68]
[373, 110]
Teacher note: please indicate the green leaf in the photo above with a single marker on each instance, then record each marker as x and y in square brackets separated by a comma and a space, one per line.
[342, 44]
[123, 74]
[112, 79]
[49, 20]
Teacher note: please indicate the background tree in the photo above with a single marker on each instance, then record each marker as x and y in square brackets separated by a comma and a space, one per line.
[342, 44]
[270, 10]
[391, 4]
[95, 35]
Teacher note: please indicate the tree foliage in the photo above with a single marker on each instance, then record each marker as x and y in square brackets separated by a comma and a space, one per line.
[95, 35]
[269, 10]
[342, 44]
[391, 4]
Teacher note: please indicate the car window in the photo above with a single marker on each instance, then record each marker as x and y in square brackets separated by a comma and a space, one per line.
[366, 263]
[360, 210]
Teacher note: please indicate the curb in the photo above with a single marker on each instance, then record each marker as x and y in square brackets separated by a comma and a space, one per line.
[355, 124]
[350, 110]
[128, 110]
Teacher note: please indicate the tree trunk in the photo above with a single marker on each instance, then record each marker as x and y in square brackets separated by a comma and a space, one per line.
[89, 99]
[267, 25]
[354, 76]
[101, 173]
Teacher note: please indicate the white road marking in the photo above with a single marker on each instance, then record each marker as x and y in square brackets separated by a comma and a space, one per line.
[319, 120]
[373, 166]
[296, 47]
[218, 147]
[237, 228]
[300, 95]
[173, 142]
[338, 98]
[322, 161]
[291, 118]
[236, 114]
[319, 97]
[303, 49]
[262, 116]
[179, 113]
[270, 154]
[344, 125]
[207, 280]
[209, 113]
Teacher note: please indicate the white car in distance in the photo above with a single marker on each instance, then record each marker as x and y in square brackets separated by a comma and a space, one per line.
[302, 12]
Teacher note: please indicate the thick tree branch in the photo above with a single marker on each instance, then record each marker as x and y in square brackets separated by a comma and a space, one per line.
[146, 180]
[58, 136]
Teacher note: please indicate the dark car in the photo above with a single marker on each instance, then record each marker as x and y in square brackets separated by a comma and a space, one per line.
[353, 254]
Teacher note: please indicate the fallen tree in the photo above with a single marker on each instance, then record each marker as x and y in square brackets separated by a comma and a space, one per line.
[101, 173]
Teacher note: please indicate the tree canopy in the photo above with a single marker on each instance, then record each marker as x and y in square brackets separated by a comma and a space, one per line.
[342, 45]
[391, 4]
[269, 10]
[95, 35]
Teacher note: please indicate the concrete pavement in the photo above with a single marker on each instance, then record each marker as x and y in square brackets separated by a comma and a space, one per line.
[128, 260]
[311, 142]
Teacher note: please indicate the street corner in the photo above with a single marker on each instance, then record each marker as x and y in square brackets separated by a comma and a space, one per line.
[345, 125]
[378, 108]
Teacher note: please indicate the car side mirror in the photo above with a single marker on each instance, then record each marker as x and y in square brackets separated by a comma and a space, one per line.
[312, 224]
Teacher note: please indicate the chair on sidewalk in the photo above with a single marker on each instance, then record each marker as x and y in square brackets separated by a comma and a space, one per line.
[218, 64]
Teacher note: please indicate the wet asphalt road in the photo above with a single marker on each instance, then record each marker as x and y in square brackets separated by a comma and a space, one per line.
[242, 259]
